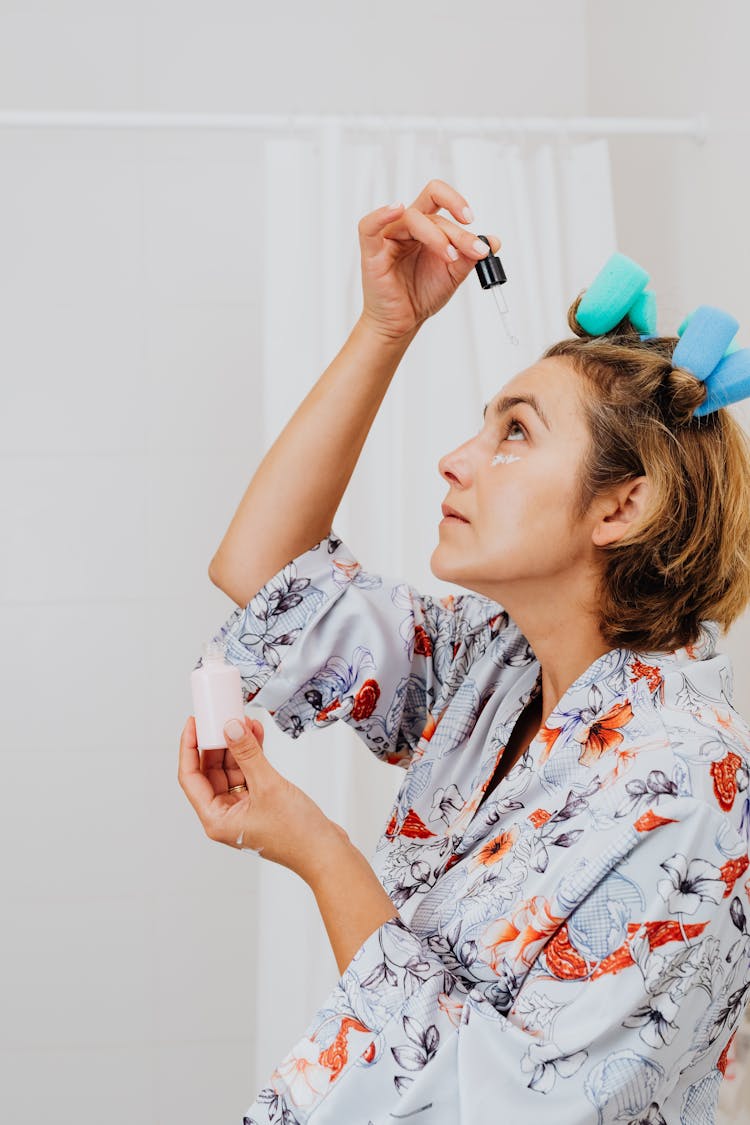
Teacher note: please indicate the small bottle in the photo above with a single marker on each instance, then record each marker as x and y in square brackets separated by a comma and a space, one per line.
[217, 696]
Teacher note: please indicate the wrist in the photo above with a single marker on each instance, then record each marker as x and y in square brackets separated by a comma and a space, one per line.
[332, 847]
[352, 901]
[394, 340]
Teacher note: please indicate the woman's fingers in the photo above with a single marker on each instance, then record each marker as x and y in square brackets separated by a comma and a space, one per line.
[196, 786]
[371, 227]
[419, 223]
[425, 229]
[464, 240]
[235, 776]
[221, 769]
[437, 194]
[435, 232]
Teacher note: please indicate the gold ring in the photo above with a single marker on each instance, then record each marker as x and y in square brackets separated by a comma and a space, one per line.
[236, 787]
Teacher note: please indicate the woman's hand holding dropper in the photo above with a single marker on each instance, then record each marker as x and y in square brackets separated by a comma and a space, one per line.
[408, 268]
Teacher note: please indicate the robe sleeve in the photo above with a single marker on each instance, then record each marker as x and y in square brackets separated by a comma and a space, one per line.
[325, 640]
[617, 985]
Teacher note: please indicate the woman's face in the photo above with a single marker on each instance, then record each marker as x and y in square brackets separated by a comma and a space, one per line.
[515, 483]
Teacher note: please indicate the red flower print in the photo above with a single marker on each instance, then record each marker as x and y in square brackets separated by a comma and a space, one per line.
[566, 963]
[336, 1056]
[429, 727]
[721, 1062]
[369, 1053]
[724, 774]
[395, 757]
[498, 847]
[549, 736]
[602, 735]
[731, 871]
[527, 931]
[659, 933]
[349, 569]
[325, 711]
[645, 671]
[650, 820]
[414, 827]
[563, 961]
[539, 817]
[365, 700]
[422, 642]
[300, 1075]
[452, 1008]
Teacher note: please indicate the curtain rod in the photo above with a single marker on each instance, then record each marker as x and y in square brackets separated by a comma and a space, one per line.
[695, 127]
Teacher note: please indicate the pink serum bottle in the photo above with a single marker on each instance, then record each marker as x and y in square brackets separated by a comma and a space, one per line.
[217, 695]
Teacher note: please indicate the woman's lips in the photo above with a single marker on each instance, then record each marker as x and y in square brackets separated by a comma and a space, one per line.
[451, 513]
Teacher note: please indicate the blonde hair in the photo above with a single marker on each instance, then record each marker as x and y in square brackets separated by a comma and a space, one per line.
[689, 558]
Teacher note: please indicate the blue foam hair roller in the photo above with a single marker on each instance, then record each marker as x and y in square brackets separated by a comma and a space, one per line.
[706, 335]
[642, 313]
[727, 383]
[611, 294]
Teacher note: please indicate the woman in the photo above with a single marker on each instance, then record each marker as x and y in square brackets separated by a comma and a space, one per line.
[554, 928]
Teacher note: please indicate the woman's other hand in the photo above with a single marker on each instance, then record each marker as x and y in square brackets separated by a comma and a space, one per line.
[272, 816]
[408, 271]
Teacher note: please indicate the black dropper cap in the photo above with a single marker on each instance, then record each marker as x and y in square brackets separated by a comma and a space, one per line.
[490, 269]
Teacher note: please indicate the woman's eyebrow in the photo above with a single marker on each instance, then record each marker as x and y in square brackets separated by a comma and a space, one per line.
[509, 401]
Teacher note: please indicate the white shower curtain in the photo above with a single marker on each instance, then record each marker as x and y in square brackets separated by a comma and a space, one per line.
[551, 205]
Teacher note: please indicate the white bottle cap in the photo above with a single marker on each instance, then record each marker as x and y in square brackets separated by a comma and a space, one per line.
[214, 650]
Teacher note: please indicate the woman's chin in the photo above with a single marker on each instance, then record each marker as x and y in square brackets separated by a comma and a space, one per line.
[440, 564]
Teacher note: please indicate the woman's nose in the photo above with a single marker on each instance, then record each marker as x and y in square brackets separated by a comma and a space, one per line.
[454, 466]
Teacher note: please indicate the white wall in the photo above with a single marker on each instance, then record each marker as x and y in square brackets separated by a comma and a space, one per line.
[334, 56]
[130, 292]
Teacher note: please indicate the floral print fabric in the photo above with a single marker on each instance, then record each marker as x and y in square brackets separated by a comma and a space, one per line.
[573, 949]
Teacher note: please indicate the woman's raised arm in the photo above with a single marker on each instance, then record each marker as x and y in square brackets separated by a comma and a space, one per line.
[292, 499]
[413, 260]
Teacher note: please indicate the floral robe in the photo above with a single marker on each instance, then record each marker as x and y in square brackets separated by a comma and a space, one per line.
[576, 950]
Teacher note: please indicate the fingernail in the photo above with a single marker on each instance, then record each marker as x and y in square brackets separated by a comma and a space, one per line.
[234, 729]
[468, 214]
[452, 252]
[481, 247]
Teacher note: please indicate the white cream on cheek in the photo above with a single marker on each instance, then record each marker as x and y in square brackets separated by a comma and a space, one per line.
[504, 459]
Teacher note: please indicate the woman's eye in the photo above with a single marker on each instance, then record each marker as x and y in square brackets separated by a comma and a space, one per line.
[514, 424]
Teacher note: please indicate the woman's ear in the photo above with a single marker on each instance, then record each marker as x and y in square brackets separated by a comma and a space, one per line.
[622, 508]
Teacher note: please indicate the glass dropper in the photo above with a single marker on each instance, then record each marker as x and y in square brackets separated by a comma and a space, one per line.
[491, 276]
